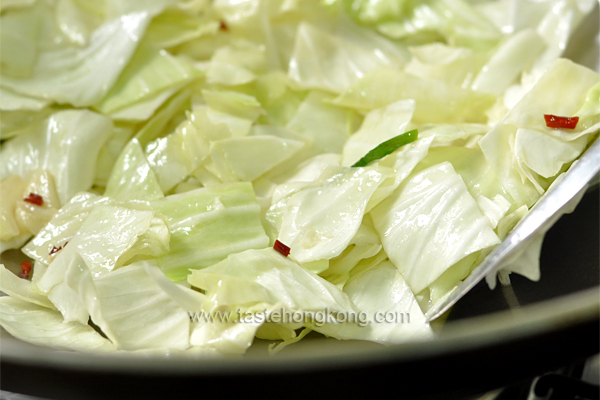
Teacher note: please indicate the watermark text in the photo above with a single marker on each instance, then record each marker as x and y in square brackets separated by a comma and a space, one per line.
[315, 318]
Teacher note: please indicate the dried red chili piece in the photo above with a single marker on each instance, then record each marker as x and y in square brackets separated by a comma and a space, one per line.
[556, 122]
[281, 248]
[25, 269]
[34, 199]
[57, 249]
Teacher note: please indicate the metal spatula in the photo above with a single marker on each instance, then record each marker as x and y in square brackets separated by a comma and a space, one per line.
[541, 217]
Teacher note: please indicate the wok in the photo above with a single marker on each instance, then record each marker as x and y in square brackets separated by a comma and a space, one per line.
[490, 339]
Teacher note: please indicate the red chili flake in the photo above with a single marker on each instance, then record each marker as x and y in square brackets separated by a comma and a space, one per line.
[34, 199]
[223, 26]
[25, 269]
[55, 249]
[553, 121]
[281, 248]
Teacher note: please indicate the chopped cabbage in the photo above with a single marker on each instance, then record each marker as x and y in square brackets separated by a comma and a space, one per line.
[187, 176]
[67, 144]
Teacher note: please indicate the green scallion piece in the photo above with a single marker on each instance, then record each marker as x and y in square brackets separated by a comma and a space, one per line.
[387, 147]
